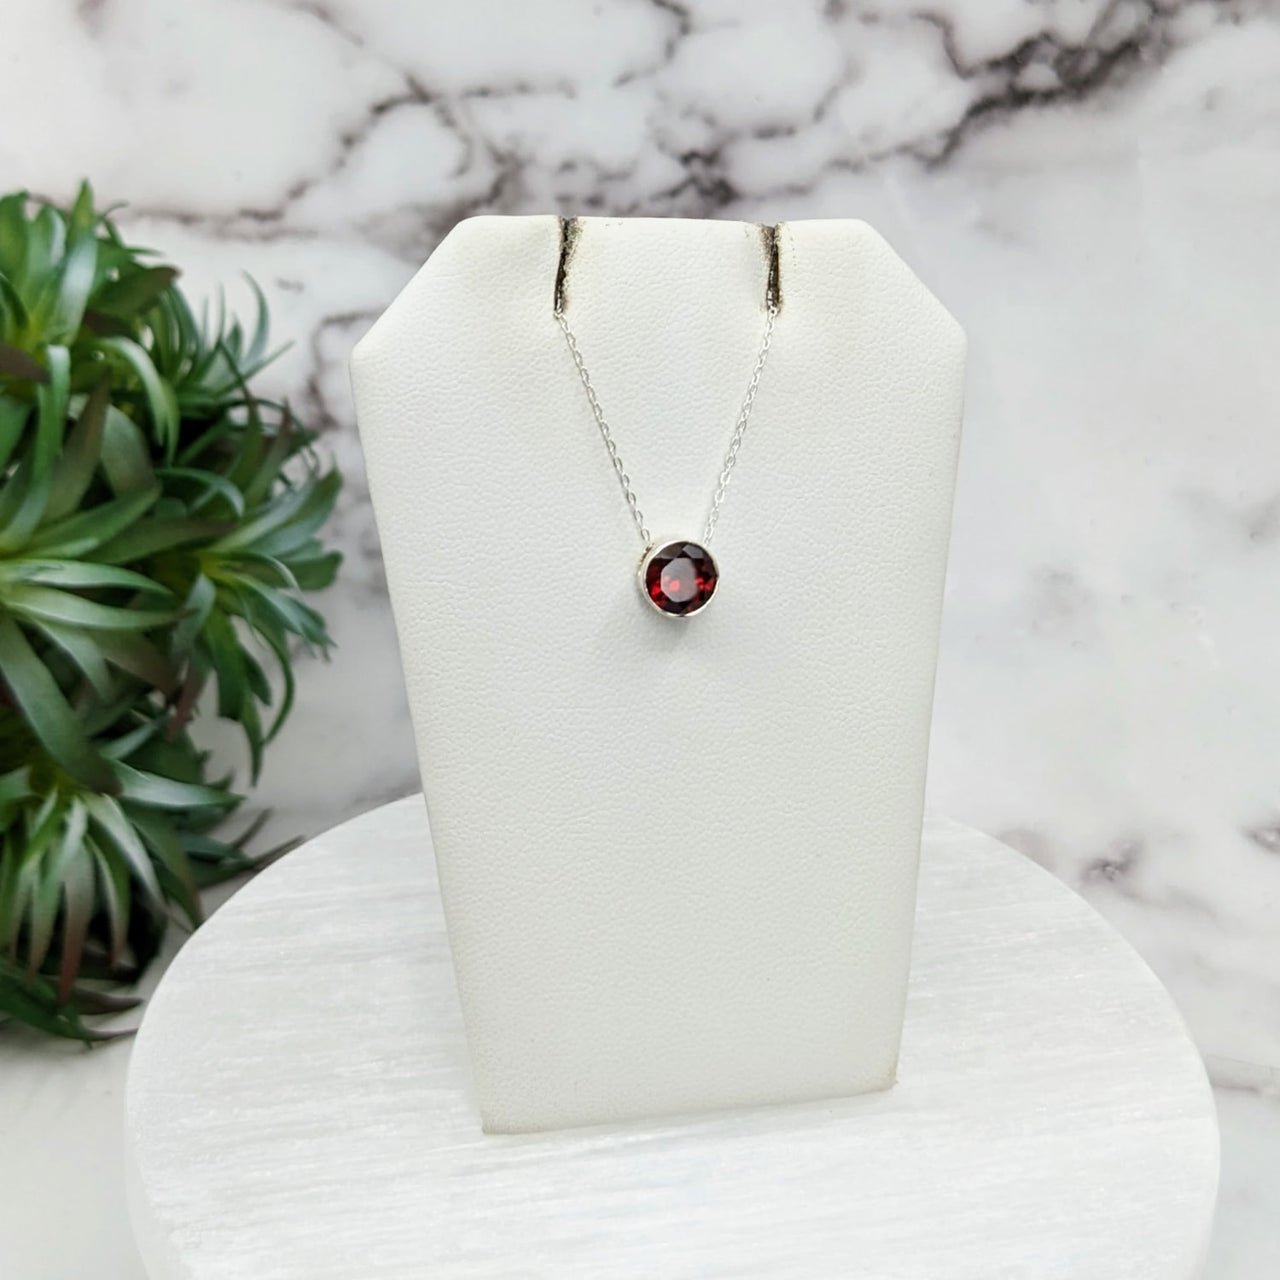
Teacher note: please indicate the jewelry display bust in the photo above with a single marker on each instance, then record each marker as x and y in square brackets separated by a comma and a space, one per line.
[677, 859]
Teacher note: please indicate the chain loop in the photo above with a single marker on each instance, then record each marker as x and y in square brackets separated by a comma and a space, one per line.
[602, 425]
[611, 446]
[740, 428]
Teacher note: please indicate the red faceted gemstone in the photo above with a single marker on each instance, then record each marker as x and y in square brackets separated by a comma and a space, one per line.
[679, 577]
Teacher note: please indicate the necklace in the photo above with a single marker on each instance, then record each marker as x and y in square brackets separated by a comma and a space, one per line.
[677, 576]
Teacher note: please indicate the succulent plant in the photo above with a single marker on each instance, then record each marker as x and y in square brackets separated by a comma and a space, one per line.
[158, 525]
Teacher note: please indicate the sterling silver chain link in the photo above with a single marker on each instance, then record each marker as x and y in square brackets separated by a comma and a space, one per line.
[735, 441]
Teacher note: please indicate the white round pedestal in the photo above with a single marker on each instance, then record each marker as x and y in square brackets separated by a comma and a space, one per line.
[298, 1107]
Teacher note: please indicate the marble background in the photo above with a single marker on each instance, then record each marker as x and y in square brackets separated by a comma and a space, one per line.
[1090, 187]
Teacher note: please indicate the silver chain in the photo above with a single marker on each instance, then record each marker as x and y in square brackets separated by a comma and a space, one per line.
[735, 441]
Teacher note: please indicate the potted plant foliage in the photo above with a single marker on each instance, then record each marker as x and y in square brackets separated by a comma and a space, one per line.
[159, 525]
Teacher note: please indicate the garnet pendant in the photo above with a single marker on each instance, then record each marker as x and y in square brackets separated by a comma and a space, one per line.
[678, 578]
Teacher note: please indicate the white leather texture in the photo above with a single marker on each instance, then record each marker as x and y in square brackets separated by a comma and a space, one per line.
[677, 856]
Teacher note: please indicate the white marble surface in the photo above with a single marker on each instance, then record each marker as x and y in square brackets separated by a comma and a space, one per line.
[1090, 187]
[1051, 1116]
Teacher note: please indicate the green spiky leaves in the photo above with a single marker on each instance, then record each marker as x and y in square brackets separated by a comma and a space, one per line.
[159, 524]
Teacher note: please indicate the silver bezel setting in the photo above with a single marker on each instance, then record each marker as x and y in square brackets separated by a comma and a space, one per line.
[660, 544]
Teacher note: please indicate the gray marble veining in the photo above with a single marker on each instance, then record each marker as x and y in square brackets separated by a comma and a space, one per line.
[1090, 187]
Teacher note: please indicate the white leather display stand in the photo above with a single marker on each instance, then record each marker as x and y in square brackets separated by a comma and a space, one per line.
[300, 1107]
[678, 857]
